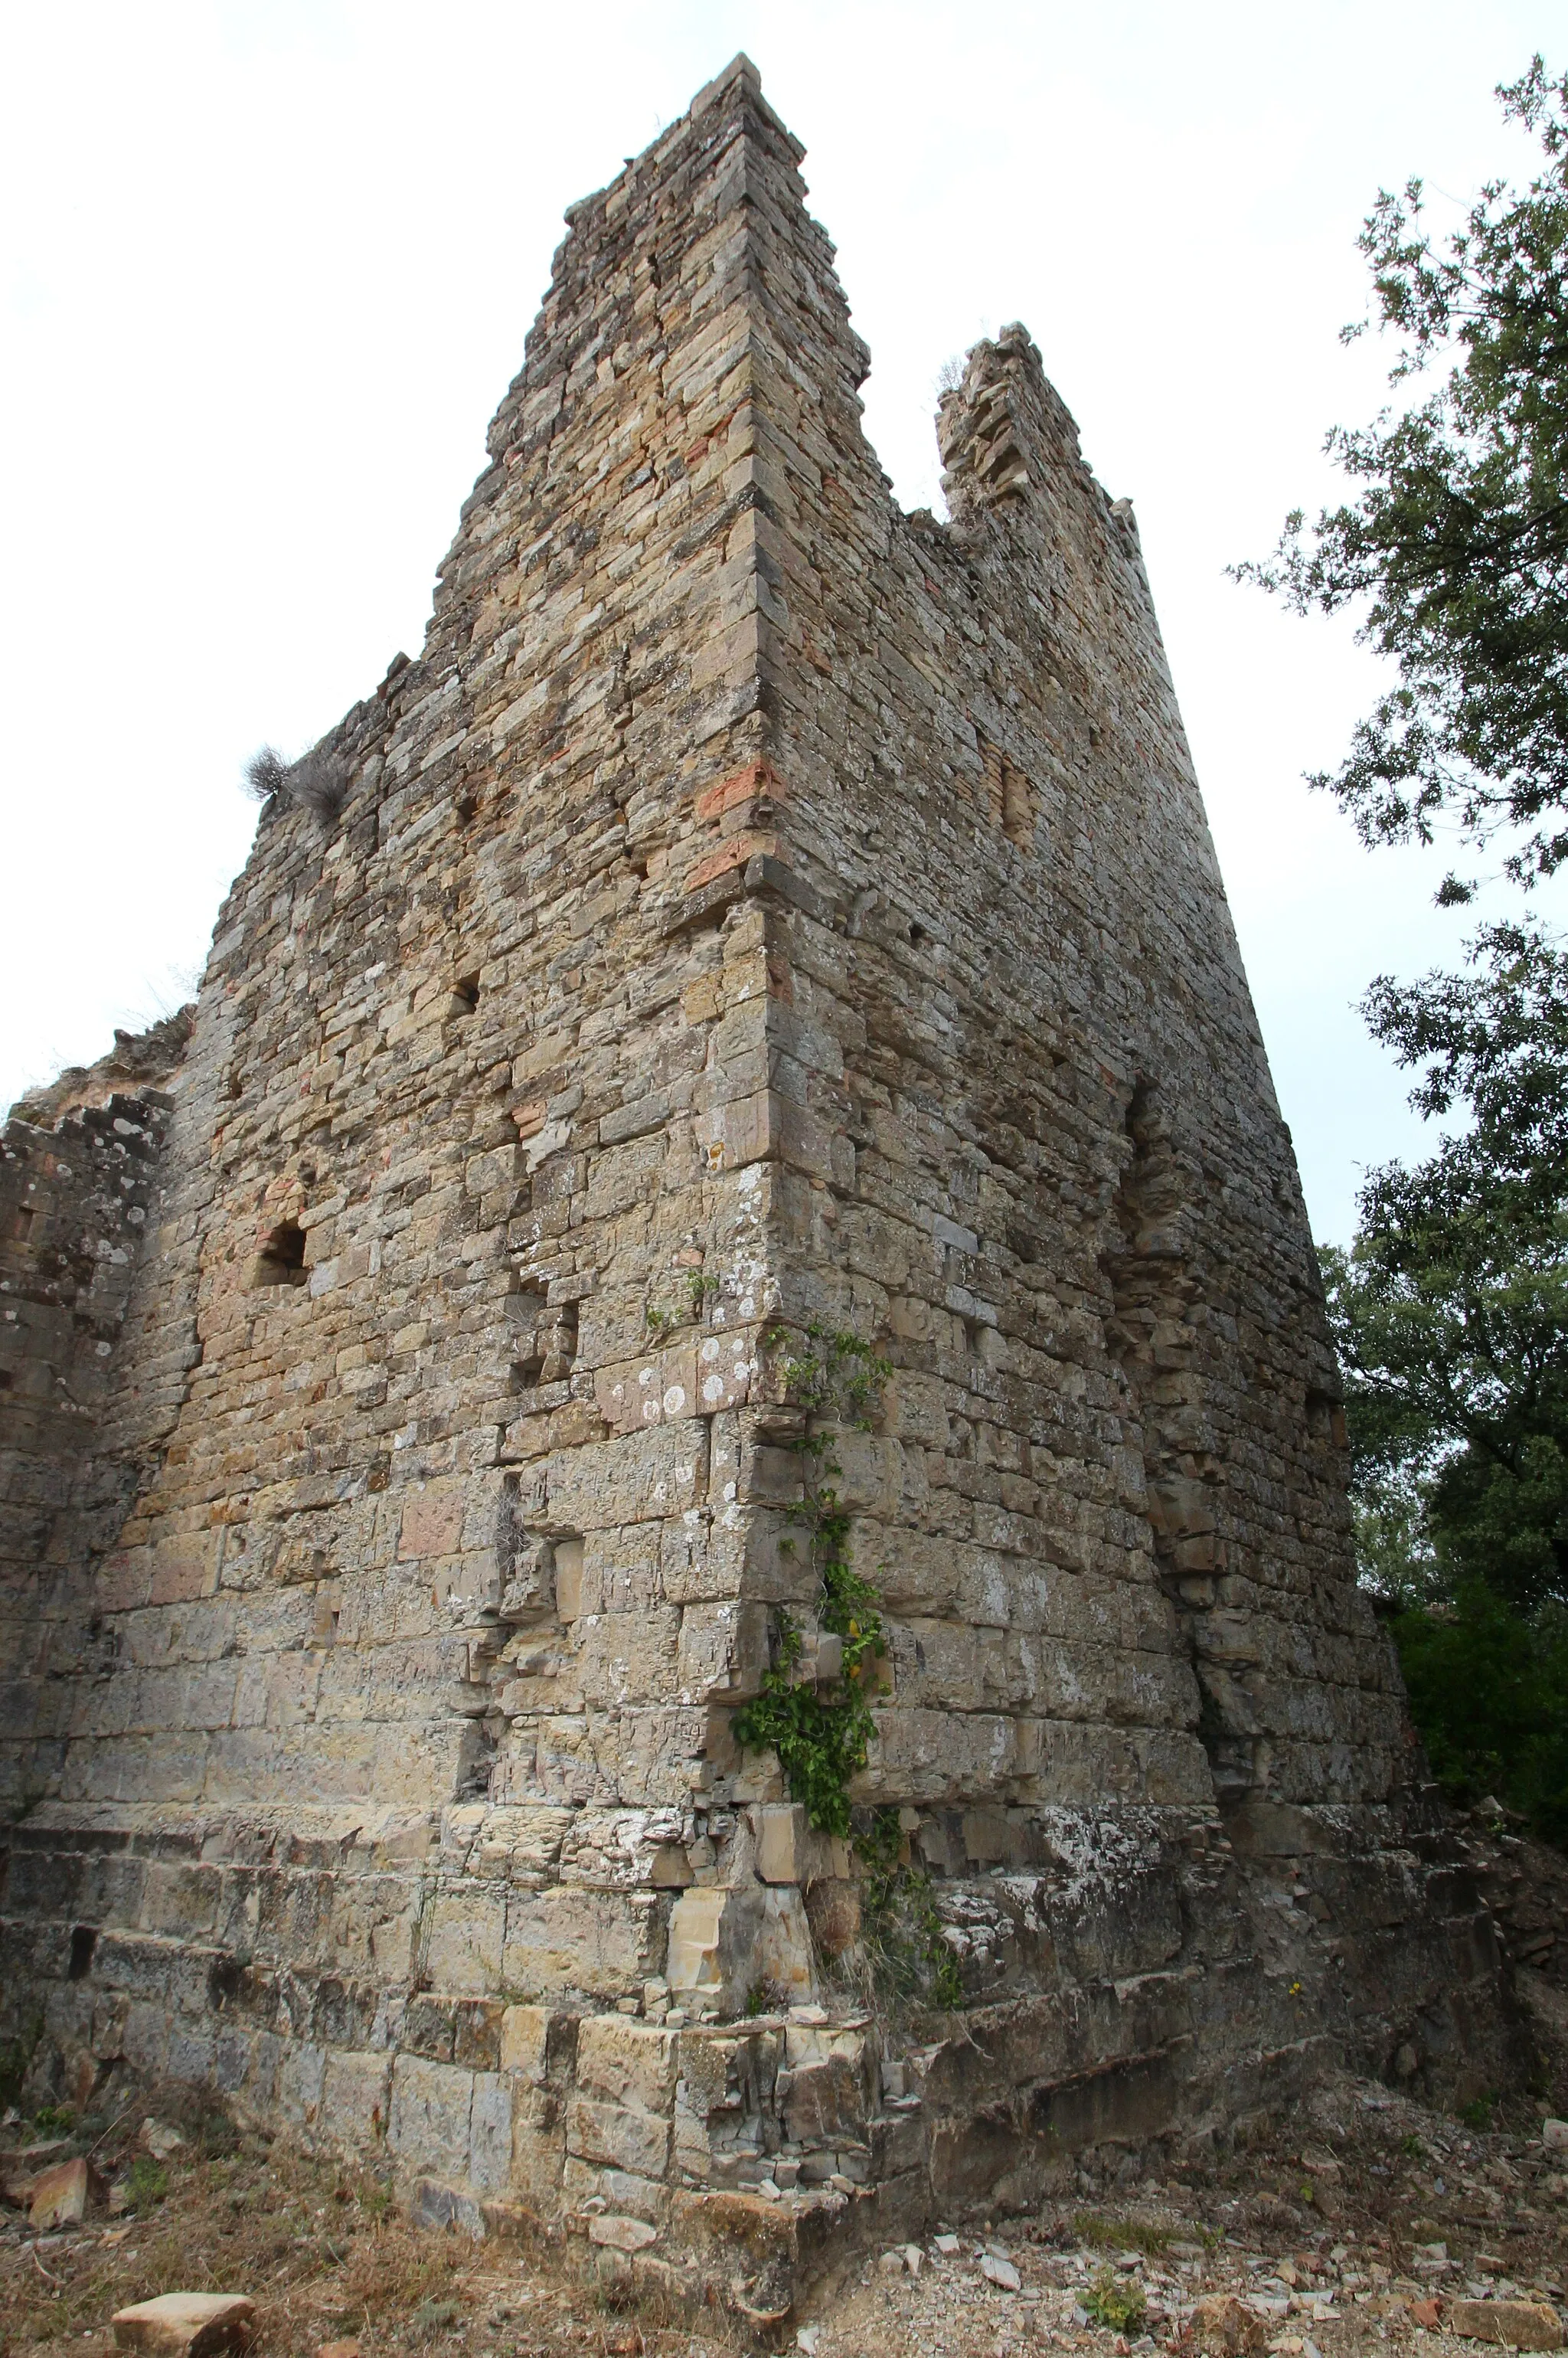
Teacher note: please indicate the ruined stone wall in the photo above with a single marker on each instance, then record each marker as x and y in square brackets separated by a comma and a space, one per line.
[1051, 1162]
[79, 1163]
[447, 1049]
[753, 906]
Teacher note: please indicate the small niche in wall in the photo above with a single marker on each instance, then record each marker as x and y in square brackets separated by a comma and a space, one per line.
[1009, 796]
[23, 1227]
[543, 1353]
[281, 1261]
[83, 1940]
[1325, 1418]
[466, 994]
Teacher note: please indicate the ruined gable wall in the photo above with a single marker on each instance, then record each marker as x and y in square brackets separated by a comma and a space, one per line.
[491, 1187]
[76, 1181]
[1070, 1197]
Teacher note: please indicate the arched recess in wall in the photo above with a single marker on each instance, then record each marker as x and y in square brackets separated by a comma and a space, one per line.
[1156, 1334]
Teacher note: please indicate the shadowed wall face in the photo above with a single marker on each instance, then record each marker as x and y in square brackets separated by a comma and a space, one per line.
[755, 909]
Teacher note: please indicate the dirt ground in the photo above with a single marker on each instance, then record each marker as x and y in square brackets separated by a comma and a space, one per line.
[1338, 2239]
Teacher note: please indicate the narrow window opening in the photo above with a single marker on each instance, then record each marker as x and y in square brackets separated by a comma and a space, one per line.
[25, 1218]
[467, 992]
[1325, 1418]
[281, 1261]
[1017, 807]
[83, 1940]
[544, 1355]
[1009, 796]
[525, 1313]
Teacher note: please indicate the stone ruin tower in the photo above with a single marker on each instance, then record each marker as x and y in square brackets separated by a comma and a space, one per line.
[756, 909]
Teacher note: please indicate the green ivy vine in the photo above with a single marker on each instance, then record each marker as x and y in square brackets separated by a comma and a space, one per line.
[821, 1732]
[908, 1955]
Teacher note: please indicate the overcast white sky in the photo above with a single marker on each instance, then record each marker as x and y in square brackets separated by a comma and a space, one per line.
[266, 267]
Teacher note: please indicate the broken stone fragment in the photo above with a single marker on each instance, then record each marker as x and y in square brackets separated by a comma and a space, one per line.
[1000, 2273]
[1522, 2324]
[19, 2169]
[186, 2324]
[61, 2195]
[1223, 2327]
[621, 2234]
[434, 2206]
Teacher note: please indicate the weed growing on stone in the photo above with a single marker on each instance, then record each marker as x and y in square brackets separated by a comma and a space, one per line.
[147, 2183]
[900, 1930]
[820, 1730]
[436, 2313]
[1101, 2233]
[320, 784]
[1115, 2301]
[701, 1287]
[16, 2056]
[266, 773]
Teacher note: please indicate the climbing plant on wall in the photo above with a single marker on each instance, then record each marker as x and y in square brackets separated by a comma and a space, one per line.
[820, 1729]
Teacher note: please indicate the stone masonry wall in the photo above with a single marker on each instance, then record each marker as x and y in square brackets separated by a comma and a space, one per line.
[78, 1166]
[754, 906]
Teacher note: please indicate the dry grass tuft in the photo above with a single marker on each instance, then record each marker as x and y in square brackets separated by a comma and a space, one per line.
[325, 2253]
[266, 774]
[319, 783]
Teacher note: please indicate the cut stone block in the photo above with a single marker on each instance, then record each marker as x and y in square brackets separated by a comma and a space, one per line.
[621, 2234]
[1520, 2324]
[186, 2324]
[692, 1967]
[724, 1944]
[61, 2196]
[790, 1851]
